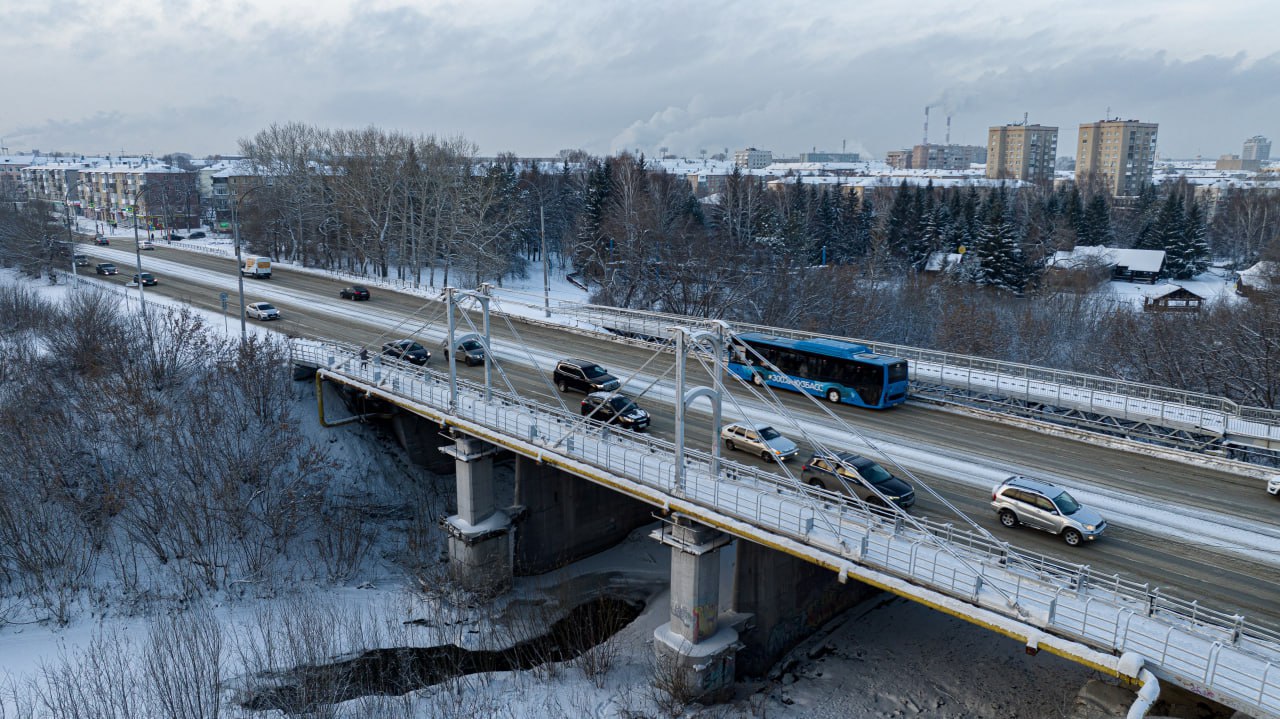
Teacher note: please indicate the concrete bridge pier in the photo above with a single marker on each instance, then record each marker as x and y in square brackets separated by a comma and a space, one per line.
[695, 653]
[480, 533]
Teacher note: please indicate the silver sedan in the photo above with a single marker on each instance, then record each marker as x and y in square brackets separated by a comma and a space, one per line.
[760, 439]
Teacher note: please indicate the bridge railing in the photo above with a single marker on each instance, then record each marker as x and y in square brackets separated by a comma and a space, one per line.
[1106, 611]
[1128, 400]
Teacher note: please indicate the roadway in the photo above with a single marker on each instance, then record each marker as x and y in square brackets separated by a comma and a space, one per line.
[1151, 538]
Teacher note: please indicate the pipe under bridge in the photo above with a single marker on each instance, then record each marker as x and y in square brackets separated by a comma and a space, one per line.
[1107, 622]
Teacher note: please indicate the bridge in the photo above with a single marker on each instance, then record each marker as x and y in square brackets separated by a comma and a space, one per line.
[1108, 622]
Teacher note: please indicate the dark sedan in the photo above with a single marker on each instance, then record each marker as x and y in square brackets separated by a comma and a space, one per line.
[407, 350]
[354, 292]
[106, 268]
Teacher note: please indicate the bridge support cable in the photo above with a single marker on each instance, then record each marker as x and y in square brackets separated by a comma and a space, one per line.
[773, 400]
[623, 383]
[888, 505]
[684, 397]
[861, 437]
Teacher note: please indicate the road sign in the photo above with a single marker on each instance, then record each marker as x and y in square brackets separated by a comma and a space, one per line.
[223, 298]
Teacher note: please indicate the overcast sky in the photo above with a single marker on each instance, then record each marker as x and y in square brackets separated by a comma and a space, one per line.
[535, 77]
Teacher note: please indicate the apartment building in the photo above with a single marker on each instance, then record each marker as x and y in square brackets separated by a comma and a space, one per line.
[752, 159]
[946, 157]
[1256, 148]
[1119, 154]
[1022, 152]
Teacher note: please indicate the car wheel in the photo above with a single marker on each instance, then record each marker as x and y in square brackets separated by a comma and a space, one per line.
[766, 455]
[817, 483]
[757, 379]
[833, 395]
[1071, 537]
[729, 443]
[560, 385]
[1008, 518]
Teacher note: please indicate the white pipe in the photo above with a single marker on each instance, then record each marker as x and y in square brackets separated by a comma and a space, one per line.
[1133, 665]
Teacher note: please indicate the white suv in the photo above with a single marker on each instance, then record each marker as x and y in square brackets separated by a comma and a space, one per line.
[1019, 500]
[1273, 486]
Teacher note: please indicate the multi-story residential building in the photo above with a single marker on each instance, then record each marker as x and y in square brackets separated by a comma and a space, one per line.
[946, 157]
[1256, 148]
[816, 156]
[11, 166]
[1022, 152]
[165, 196]
[1119, 154]
[898, 159]
[752, 159]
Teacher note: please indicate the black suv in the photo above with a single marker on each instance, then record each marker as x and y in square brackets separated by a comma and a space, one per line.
[859, 474]
[615, 408]
[584, 376]
[407, 350]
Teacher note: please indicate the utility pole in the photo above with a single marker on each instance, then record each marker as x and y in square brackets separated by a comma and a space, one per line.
[546, 270]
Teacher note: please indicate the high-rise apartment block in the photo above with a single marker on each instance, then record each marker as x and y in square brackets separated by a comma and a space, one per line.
[947, 157]
[1120, 154]
[1022, 152]
[752, 159]
[1256, 148]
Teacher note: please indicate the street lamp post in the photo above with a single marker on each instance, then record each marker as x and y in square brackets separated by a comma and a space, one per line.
[137, 251]
[71, 240]
[235, 229]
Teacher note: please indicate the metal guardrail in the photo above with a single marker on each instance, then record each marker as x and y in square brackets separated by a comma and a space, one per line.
[1235, 661]
[1134, 401]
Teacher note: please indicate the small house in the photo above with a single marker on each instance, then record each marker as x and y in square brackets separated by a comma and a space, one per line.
[1258, 278]
[1123, 264]
[1179, 299]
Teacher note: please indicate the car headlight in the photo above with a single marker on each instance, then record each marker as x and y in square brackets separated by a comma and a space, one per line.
[1088, 527]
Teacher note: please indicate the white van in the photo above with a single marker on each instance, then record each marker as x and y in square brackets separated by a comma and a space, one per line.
[256, 267]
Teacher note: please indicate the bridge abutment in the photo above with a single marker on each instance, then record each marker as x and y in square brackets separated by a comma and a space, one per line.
[788, 599]
[695, 653]
[567, 518]
[480, 533]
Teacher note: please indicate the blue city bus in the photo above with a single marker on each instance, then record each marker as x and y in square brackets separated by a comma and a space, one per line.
[840, 371]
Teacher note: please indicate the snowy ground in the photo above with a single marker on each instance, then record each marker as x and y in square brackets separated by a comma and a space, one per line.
[888, 657]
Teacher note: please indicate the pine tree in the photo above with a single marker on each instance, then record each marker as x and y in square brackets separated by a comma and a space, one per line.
[1096, 226]
[1187, 253]
[899, 221]
[999, 256]
[1168, 229]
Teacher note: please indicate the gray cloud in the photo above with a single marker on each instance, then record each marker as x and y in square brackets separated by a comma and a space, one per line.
[535, 77]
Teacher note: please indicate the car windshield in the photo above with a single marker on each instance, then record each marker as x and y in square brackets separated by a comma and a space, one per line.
[594, 370]
[768, 433]
[874, 473]
[265, 306]
[1066, 504]
[622, 404]
[470, 346]
[412, 347]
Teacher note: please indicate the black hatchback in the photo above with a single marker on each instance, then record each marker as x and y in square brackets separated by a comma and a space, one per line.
[407, 350]
[354, 292]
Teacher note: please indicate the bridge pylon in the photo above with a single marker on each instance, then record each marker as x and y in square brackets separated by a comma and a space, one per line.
[480, 533]
[695, 653]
